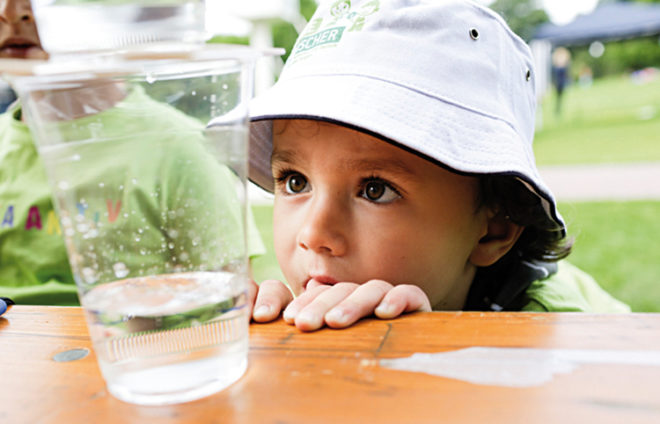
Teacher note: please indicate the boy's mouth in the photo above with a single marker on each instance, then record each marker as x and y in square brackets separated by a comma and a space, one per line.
[21, 48]
[323, 279]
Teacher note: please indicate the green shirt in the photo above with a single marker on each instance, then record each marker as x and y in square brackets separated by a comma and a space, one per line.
[155, 209]
[570, 290]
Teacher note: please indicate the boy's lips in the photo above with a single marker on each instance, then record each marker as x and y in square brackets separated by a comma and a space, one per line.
[21, 48]
[323, 279]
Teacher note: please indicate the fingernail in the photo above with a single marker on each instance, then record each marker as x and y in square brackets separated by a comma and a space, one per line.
[288, 315]
[385, 310]
[308, 318]
[337, 316]
[261, 311]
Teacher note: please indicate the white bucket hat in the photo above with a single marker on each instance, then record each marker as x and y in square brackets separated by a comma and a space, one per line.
[447, 80]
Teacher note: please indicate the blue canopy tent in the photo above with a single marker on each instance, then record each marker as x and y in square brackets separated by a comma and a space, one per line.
[614, 21]
[608, 22]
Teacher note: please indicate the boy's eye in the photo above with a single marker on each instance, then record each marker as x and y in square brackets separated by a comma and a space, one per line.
[379, 192]
[296, 183]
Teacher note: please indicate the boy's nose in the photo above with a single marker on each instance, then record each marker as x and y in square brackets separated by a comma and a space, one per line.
[324, 227]
[15, 11]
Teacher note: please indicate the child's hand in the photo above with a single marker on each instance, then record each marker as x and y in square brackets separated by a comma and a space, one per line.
[340, 305]
[269, 299]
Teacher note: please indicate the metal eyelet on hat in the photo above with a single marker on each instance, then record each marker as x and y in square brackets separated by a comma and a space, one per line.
[474, 34]
[528, 75]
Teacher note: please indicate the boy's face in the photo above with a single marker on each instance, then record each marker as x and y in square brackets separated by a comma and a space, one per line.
[351, 208]
[18, 31]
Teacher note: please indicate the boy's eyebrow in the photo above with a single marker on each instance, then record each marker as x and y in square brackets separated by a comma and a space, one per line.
[285, 156]
[392, 165]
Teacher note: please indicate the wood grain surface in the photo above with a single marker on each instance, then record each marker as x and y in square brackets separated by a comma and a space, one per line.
[334, 376]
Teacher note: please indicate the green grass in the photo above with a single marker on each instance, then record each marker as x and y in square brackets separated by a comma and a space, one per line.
[614, 120]
[614, 243]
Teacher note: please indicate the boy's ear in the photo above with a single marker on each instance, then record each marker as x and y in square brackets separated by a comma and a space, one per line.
[500, 237]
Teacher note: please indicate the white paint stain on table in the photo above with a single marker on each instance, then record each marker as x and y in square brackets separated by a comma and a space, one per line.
[514, 367]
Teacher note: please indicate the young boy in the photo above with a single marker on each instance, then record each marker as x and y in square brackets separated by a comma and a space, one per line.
[400, 154]
[150, 206]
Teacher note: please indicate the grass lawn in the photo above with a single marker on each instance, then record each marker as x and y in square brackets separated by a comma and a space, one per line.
[614, 120]
[614, 243]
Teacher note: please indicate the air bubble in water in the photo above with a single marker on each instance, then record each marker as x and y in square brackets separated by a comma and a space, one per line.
[143, 251]
[89, 275]
[120, 270]
[137, 239]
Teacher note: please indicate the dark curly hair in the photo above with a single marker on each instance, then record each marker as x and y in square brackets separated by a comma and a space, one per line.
[542, 239]
[502, 286]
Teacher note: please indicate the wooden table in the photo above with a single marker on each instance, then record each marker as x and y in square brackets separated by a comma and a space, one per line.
[335, 376]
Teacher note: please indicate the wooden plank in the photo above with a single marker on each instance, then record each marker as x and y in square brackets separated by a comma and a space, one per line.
[335, 376]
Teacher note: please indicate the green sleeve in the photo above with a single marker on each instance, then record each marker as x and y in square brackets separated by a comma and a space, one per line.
[53, 292]
[571, 290]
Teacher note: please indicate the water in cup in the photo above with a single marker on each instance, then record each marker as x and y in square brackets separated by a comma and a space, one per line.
[188, 336]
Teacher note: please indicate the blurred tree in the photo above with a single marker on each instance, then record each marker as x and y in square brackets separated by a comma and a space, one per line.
[285, 34]
[523, 16]
[620, 55]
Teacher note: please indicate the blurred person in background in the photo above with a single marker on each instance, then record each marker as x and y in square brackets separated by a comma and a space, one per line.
[561, 62]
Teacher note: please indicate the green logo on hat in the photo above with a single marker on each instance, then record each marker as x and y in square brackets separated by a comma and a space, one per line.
[330, 35]
[329, 29]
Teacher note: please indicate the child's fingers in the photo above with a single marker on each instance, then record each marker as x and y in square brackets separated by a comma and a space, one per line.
[303, 300]
[311, 317]
[271, 299]
[402, 298]
[251, 295]
[359, 304]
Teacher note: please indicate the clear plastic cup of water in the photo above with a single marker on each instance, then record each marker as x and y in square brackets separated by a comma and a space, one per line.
[146, 153]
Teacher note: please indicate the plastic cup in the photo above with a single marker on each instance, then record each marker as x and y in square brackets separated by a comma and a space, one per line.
[69, 26]
[146, 153]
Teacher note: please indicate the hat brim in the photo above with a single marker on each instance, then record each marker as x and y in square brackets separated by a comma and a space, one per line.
[471, 142]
